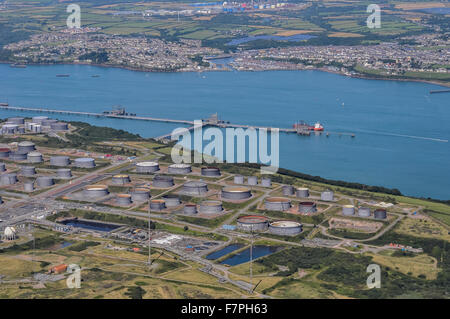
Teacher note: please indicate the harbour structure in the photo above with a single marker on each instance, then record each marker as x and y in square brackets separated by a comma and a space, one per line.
[302, 192]
[194, 188]
[190, 209]
[60, 160]
[157, 204]
[288, 190]
[252, 180]
[120, 179]
[307, 207]
[210, 171]
[364, 211]
[277, 203]
[163, 181]
[28, 170]
[2, 167]
[26, 146]
[252, 223]
[327, 196]
[84, 162]
[34, 157]
[236, 193]
[123, 199]
[59, 126]
[64, 173]
[179, 169]
[348, 210]
[266, 182]
[95, 191]
[8, 179]
[18, 156]
[147, 167]
[285, 228]
[140, 194]
[239, 179]
[4, 152]
[380, 213]
[210, 207]
[171, 200]
[44, 181]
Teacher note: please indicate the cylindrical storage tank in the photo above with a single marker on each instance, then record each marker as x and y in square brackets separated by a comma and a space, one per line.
[327, 196]
[16, 120]
[39, 119]
[2, 167]
[239, 179]
[140, 195]
[28, 170]
[380, 214]
[210, 207]
[190, 209]
[26, 146]
[348, 210]
[252, 180]
[123, 199]
[48, 122]
[307, 207]
[28, 186]
[4, 152]
[157, 204]
[277, 203]
[210, 171]
[21, 130]
[266, 182]
[172, 200]
[59, 126]
[8, 179]
[147, 167]
[84, 162]
[95, 191]
[236, 193]
[162, 181]
[285, 228]
[288, 190]
[37, 128]
[194, 188]
[59, 160]
[364, 211]
[34, 157]
[120, 179]
[302, 192]
[179, 169]
[252, 223]
[9, 128]
[44, 181]
[18, 156]
[64, 173]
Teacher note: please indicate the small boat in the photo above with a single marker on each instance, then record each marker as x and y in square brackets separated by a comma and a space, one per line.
[95, 76]
[62, 75]
[318, 127]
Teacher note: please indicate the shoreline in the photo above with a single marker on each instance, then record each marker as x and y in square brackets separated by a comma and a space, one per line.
[356, 76]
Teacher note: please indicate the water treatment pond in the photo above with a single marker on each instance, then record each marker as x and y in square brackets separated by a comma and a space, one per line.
[90, 225]
[244, 256]
[224, 251]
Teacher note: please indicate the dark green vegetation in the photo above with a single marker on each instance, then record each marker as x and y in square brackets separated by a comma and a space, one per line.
[83, 245]
[39, 243]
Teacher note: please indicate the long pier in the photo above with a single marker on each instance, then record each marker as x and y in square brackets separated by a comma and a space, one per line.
[439, 91]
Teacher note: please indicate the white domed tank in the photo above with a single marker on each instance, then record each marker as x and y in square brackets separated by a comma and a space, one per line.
[10, 233]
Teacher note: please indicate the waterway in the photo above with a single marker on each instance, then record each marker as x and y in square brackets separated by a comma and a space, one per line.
[244, 256]
[224, 251]
[90, 225]
[401, 131]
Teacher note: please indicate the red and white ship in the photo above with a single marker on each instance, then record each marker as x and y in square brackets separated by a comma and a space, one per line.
[302, 126]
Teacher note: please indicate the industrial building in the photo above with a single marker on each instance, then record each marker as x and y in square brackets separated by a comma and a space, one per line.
[64, 173]
[84, 162]
[277, 203]
[288, 190]
[307, 207]
[236, 193]
[147, 167]
[210, 171]
[163, 181]
[348, 210]
[364, 211]
[157, 204]
[140, 194]
[194, 188]
[302, 192]
[120, 179]
[26, 147]
[44, 181]
[171, 200]
[210, 207]
[239, 179]
[179, 169]
[380, 213]
[285, 228]
[34, 157]
[59, 160]
[123, 199]
[327, 196]
[95, 191]
[252, 223]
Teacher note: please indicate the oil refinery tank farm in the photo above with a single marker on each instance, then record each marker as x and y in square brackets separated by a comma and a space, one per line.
[140, 194]
[236, 193]
[277, 203]
[147, 167]
[84, 162]
[4, 152]
[2, 167]
[190, 209]
[157, 204]
[34, 157]
[348, 210]
[252, 180]
[194, 188]
[380, 214]
[327, 196]
[28, 170]
[8, 179]
[18, 156]
[285, 228]
[307, 207]
[59, 126]
[64, 173]
[95, 191]
[252, 223]
[45, 181]
[59, 160]
[266, 182]
[120, 179]
[210, 207]
[288, 190]
[210, 171]
[26, 146]
[171, 200]
[163, 181]
[239, 179]
[364, 212]
[302, 192]
[123, 199]
[179, 169]
[16, 120]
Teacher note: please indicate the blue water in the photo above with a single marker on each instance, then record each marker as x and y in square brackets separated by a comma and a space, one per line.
[222, 252]
[391, 120]
[244, 256]
[291, 38]
[90, 225]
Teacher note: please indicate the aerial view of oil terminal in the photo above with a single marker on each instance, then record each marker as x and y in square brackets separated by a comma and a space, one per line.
[94, 204]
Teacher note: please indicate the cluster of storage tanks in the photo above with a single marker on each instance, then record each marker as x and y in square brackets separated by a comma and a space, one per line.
[252, 181]
[17, 125]
[350, 210]
[260, 223]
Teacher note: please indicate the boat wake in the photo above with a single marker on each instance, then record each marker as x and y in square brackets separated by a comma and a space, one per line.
[407, 136]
